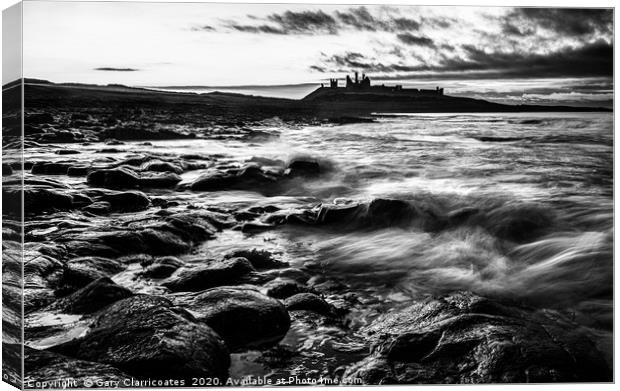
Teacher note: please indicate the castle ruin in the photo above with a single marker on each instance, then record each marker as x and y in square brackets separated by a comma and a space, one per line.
[364, 85]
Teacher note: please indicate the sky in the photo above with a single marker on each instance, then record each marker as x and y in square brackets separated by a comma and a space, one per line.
[508, 55]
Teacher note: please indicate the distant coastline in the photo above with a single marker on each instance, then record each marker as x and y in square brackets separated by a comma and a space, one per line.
[323, 103]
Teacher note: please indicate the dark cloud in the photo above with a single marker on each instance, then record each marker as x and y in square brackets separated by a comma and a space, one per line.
[267, 29]
[305, 22]
[411, 39]
[594, 59]
[319, 22]
[591, 60]
[112, 69]
[564, 21]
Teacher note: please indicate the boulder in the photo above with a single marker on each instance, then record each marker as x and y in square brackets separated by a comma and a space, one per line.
[303, 168]
[78, 170]
[244, 317]
[464, 338]
[6, 170]
[160, 166]
[249, 177]
[98, 208]
[147, 336]
[176, 234]
[283, 288]
[129, 201]
[213, 273]
[66, 152]
[50, 168]
[162, 267]
[79, 272]
[93, 297]
[309, 302]
[38, 118]
[260, 259]
[114, 178]
[36, 200]
[160, 180]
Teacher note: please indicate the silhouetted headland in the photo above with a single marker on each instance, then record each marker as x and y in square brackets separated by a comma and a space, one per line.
[357, 98]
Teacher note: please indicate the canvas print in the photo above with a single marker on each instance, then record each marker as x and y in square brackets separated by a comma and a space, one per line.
[220, 194]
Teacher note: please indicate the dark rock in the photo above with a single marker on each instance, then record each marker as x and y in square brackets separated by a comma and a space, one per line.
[260, 259]
[93, 297]
[250, 177]
[283, 288]
[176, 234]
[6, 170]
[309, 302]
[214, 273]
[36, 200]
[114, 178]
[162, 267]
[129, 201]
[61, 136]
[303, 168]
[81, 200]
[45, 366]
[147, 336]
[38, 118]
[163, 180]
[244, 317]
[66, 152]
[98, 208]
[159, 166]
[465, 338]
[79, 272]
[78, 170]
[50, 168]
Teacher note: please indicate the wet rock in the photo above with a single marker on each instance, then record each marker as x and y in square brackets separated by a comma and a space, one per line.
[213, 273]
[147, 336]
[38, 118]
[36, 200]
[162, 267]
[250, 177]
[464, 338]
[162, 180]
[66, 152]
[46, 366]
[50, 168]
[260, 259]
[176, 234]
[129, 201]
[98, 208]
[6, 170]
[79, 272]
[78, 170]
[244, 317]
[93, 297]
[283, 288]
[61, 136]
[309, 302]
[303, 168]
[160, 166]
[114, 178]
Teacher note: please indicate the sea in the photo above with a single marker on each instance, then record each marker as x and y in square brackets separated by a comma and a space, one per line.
[540, 186]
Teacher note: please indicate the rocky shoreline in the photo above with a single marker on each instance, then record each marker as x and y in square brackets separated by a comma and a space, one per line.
[125, 275]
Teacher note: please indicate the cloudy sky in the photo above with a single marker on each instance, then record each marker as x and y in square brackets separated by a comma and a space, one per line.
[513, 55]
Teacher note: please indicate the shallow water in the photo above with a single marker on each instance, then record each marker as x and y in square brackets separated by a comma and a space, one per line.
[553, 168]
